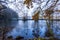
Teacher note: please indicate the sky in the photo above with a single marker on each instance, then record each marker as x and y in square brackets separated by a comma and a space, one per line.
[22, 10]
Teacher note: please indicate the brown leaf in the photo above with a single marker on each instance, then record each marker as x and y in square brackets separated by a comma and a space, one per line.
[36, 16]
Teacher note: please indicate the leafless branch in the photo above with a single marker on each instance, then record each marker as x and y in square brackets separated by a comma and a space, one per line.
[53, 5]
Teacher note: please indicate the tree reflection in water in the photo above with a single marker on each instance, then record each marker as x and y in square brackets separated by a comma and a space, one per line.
[5, 27]
[28, 29]
[36, 29]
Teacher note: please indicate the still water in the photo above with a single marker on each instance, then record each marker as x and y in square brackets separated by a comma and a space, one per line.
[28, 28]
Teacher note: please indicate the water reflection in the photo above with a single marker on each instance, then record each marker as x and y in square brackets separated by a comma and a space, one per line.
[56, 29]
[5, 27]
[28, 28]
[36, 29]
[31, 29]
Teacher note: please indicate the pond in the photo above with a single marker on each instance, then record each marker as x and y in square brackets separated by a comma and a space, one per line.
[28, 28]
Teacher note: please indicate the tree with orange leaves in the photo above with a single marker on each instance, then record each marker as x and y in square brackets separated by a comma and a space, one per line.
[28, 3]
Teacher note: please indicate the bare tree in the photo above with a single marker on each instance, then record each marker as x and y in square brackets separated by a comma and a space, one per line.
[48, 14]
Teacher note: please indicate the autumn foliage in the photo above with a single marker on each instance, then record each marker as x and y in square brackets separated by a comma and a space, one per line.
[35, 16]
[28, 3]
[48, 13]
